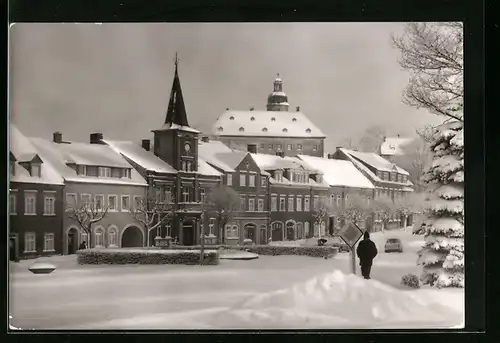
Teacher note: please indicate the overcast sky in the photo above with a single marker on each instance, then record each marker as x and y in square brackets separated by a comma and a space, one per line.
[116, 78]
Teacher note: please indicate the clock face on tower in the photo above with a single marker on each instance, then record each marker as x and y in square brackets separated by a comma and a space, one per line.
[187, 147]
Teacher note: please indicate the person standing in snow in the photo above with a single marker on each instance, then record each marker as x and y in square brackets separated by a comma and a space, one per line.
[366, 252]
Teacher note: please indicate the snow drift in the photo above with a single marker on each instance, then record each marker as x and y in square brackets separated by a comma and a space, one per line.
[336, 300]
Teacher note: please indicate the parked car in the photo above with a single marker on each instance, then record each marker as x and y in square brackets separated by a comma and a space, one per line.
[393, 244]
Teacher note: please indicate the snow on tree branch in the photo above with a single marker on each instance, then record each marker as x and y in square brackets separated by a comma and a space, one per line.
[86, 214]
[153, 210]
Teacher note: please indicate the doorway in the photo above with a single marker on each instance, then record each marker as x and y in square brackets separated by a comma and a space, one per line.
[188, 237]
[132, 237]
[249, 230]
[72, 241]
[290, 231]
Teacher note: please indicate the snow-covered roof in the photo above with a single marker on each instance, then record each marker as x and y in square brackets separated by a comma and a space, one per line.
[273, 162]
[174, 126]
[101, 155]
[206, 169]
[265, 123]
[136, 153]
[394, 146]
[374, 160]
[338, 172]
[210, 152]
[24, 151]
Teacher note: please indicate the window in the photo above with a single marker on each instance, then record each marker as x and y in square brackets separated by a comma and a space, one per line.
[48, 242]
[202, 194]
[278, 147]
[316, 202]
[185, 195]
[241, 129]
[242, 203]
[211, 224]
[263, 181]
[112, 241]
[71, 200]
[99, 238]
[368, 200]
[338, 199]
[13, 201]
[30, 203]
[184, 165]
[229, 179]
[290, 204]
[299, 204]
[307, 203]
[251, 180]
[285, 130]
[251, 204]
[299, 146]
[332, 199]
[99, 202]
[289, 147]
[49, 205]
[126, 203]
[393, 176]
[279, 176]
[243, 179]
[308, 130]
[231, 231]
[262, 146]
[260, 205]
[291, 175]
[274, 203]
[273, 119]
[315, 148]
[405, 179]
[270, 147]
[116, 172]
[128, 173]
[81, 170]
[104, 172]
[29, 242]
[137, 203]
[35, 169]
[306, 229]
[282, 204]
[92, 171]
[85, 199]
[189, 167]
[264, 129]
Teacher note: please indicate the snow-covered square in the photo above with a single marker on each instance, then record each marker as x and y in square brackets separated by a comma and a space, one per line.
[269, 292]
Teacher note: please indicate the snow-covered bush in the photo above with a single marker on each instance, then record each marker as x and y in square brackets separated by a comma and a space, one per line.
[313, 251]
[146, 256]
[442, 256]
[410, 280]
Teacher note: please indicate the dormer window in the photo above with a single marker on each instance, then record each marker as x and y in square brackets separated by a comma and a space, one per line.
[242, 129]
[252, 118]
[294, 119]
[231, 118]
[220, 128]
[127, 173]
[319, 179]
[308, 130]
[104, 172]
[273, 119]
[35, 169]
[81, 170]
[264, 129]
[285, 130]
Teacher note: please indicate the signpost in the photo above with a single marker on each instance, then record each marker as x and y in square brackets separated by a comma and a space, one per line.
[350, 234]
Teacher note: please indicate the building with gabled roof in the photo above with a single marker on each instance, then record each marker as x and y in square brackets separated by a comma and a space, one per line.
[394, 146]
[275, 130]
[94, 173]
[35, 200]
[176, 173]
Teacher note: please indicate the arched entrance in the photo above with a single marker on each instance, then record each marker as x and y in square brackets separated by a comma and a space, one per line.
[132, 237]
[277, 231]
[72, 243]
[249, 231]
[290, 231]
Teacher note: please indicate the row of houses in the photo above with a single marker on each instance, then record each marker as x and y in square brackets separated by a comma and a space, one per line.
[278, 194]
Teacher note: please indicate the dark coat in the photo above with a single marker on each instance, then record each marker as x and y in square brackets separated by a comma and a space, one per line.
[366, 252]
[82, 246]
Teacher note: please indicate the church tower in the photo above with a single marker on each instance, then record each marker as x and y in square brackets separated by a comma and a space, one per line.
[175, 142]
[277, 100]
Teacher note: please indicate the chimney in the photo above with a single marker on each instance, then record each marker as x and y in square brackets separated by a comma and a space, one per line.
[205, 139]
[252, 108]
[146, 144]
[95, 138]
[297, 108]
[252, 148]
[57, 137]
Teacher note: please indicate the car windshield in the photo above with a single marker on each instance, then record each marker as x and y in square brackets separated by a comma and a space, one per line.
[393, 240]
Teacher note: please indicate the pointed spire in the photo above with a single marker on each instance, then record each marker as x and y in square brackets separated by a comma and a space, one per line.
[176, 112]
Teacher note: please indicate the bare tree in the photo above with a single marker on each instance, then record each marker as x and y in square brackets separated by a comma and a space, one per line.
[372, 138]
[410, 204]
[356, 209]
[385, 208]
[322, 210]
[86, 214]
[153, 211]
[433, 53]
[426, 133]
[225, 201]
[415, 159]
